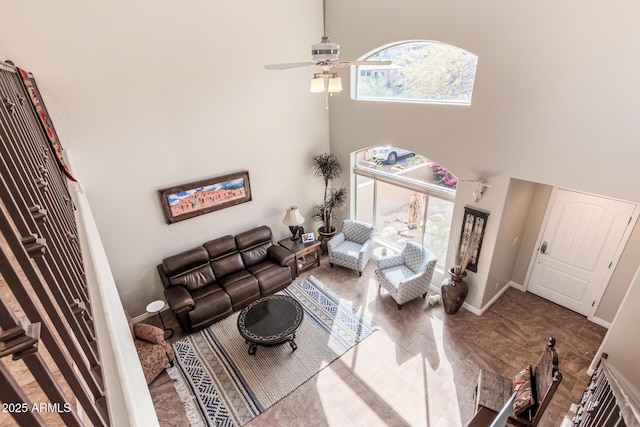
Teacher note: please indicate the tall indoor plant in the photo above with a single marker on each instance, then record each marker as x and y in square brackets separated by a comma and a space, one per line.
[328, 167]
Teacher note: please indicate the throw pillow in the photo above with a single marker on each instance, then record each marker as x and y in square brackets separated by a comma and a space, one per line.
[522, 386]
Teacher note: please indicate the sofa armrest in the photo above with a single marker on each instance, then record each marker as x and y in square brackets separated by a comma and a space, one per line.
[366, 249]
[281, 255]
[179, 298]
[149, 333]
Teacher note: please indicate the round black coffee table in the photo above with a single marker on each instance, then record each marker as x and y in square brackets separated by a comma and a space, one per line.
[270, 321]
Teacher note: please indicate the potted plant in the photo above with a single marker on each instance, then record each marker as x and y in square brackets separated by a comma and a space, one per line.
[328, 167]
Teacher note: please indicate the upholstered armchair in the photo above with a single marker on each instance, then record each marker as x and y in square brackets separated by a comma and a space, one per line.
[407, 276]
[153, 351]
[352, 247]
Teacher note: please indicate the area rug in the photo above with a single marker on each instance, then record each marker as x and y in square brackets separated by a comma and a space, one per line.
[220, 384]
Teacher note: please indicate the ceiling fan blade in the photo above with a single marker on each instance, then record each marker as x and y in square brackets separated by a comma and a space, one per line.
[289, 65]
[345, 63]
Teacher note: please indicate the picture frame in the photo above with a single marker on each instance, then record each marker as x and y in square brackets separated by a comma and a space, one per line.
[200, 197]
[474, 221]
[308, 237]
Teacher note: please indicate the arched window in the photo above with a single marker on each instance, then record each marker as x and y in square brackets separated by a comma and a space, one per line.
[420, 71]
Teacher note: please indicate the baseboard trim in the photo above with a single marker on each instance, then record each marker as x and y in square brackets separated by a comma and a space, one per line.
[599, 321]
[472, 309]
[475, 310]
[494, 299]
[146, 315]
[517, 286]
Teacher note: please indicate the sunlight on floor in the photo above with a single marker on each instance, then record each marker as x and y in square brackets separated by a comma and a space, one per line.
[379, 379]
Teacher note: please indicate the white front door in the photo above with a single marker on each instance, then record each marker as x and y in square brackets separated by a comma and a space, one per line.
[577, 248]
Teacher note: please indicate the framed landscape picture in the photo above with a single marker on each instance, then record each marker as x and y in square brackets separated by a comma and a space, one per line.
[196, 198]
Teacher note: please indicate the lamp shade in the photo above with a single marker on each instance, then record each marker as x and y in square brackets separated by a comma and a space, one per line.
[335, 85]
[317, 85]
[293, 217]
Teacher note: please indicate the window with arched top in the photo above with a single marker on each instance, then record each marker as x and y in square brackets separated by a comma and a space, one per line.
[420, 71]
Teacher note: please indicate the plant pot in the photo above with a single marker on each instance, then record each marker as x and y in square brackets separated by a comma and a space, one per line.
[324, 237]
[454, 290]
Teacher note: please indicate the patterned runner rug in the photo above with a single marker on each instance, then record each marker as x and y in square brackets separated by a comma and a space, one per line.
[220, 384]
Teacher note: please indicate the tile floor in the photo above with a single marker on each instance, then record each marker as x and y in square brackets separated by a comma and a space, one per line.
[421, 367]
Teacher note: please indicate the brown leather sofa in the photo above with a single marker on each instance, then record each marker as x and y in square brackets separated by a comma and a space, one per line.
[206, 284]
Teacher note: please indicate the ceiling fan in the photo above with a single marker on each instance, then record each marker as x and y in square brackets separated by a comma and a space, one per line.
[325, 55]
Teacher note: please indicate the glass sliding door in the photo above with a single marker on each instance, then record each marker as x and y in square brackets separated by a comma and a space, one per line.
[399, 214]
[438, 227]
[411, 202]
[365, 190]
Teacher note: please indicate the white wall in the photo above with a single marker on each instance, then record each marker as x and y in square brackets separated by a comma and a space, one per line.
[554, 100]
[624, 352]
[535, 216]
[510, 234]
[150, 94]
[621, 277]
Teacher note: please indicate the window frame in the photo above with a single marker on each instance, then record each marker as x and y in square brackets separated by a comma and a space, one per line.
[428, 189]
[355, 77]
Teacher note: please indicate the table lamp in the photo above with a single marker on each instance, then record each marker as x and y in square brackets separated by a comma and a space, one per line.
[293, 218]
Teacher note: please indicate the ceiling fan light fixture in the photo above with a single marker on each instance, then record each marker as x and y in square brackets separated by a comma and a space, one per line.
[325, 50]
[326, 82]
[317, 84]
[335, 84]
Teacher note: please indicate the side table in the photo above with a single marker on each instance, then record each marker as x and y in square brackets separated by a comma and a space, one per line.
[155, 307]
[307, 254]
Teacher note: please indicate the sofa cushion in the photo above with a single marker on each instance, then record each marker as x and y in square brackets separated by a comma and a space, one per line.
[185, 261]
[206, 290]
[194, 279]
[221, 247]
[397, 274]
[256, 254]
[153, 359]
[254, 237]
[357, 231]
[414, 257]
[209, 309]
[227, 265]
[254, 269]
[522, 386]
[272, 278]
[242, 288]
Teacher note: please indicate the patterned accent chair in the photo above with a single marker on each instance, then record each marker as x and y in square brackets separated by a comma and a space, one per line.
[153, 351]
[352, 247]
[407, 276]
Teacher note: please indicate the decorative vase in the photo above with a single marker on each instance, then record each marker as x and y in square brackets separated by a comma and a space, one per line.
[454, 290]
[324, 237]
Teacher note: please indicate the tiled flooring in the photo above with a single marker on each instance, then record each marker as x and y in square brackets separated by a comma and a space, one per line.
[420, 369]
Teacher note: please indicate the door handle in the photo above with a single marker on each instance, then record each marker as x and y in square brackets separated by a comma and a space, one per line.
[543, 247]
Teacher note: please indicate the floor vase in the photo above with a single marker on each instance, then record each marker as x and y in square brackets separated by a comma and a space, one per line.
[454, 291]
